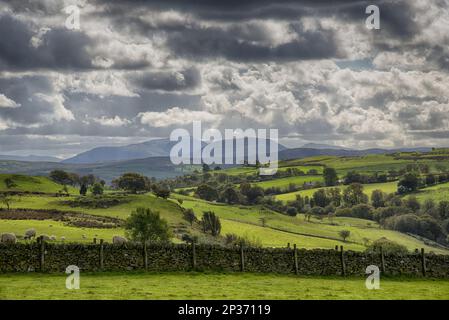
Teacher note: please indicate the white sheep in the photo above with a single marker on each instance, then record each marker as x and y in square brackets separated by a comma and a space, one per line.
[8, 238]
[119, 240]
[29, 234]
[53, 238]
[62, 238]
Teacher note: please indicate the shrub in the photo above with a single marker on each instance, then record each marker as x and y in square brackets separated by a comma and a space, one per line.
[146, 225]
[344, 234]
[211, 223]
[388, 247]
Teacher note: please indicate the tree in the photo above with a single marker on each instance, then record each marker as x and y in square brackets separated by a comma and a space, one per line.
[354, 195]
[83, 190]
[211, 223]
[412, 203]
[97, 189]
[292, 211]
[409, 183]
[61, 177]
[443, 208]
[377, 199]
[6, 200]
[344, 234]
[334, 195]
[131, 182]
[10, 183]
[145, 225]
[230, 195]
[254, 194]
[206, 192]
[430, 179]
[189, 216]
[330, 176]
[320, 198]
[161, 191]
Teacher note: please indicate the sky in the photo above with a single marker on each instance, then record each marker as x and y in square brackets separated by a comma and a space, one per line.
[137, 70]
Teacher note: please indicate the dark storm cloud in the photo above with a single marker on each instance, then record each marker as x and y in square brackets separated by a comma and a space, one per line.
[23, 91]
[59, 48]
[168, 81]
[216, 42]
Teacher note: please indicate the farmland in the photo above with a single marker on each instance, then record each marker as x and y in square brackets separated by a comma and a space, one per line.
[191, 286]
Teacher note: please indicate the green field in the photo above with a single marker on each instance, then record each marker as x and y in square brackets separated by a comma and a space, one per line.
[281, 229]
[190, 286]
[387, 187]
[59, 229]
[439, 192]
[283, 183]
[32, 184]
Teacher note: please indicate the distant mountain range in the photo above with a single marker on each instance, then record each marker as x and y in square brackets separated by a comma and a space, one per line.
[151, 158]
[298, 153]
[149, 149]
[31, 158]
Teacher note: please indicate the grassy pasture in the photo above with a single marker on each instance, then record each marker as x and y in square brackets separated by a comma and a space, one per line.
[59, 229]
[387, 187]
[285, 182]
[281, 229]
[32, 184]
[190, 286]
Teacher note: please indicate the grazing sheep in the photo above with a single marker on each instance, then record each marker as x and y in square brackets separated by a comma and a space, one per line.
[53, 238]
[8, 238]
[62, 238]
[29, 234]
[119, 240]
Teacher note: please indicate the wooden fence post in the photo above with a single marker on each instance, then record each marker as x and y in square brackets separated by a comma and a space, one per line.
[242, 259]
[101, 255]
[95, 240]
[423, 262]
[193, 255]
[145, 256]
[343, 264]
[382, 260]
[42, 254]
[295, 254]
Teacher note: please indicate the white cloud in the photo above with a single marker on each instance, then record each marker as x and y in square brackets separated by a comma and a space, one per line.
[176, 116]
[112, 122]
[5, 102]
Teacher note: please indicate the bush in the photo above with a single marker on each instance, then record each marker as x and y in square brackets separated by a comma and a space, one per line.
[344, 234]
[362, 211]
[146, 225]
[211, 223]
[388, 247]
[292, 211]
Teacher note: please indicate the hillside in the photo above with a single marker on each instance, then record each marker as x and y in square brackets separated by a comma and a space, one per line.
[23, 183]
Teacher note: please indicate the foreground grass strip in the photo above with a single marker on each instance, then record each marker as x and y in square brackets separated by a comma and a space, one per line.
[186, 286]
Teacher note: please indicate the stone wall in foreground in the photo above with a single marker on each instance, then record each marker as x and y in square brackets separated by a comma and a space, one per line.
[47, 257]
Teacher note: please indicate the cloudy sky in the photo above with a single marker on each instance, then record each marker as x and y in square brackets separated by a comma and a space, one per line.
[136, 70]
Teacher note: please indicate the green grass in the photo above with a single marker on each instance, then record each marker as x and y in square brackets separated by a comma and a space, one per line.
[32, 184]
[387, 187]
[281, 229]
[170, 210]
[190, 286]
[439, 192]
[283, 183]
[58, 229]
